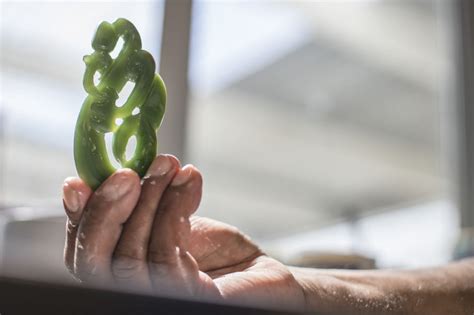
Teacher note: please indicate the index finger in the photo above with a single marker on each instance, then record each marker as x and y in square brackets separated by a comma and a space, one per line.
[101, 225]
[75, 196]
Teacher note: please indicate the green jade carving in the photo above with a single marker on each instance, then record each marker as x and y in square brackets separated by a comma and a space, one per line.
[141, 114]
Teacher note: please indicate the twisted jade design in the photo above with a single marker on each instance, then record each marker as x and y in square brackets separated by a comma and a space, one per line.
[140, 116]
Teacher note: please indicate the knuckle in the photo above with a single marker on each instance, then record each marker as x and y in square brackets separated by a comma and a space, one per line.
[162, 257]
[98, 214]
[124, 267]
[161, 270]
[92, 215]
[89, 268]
[85, 273]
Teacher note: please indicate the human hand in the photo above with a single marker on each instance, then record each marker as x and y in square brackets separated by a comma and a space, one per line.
[144, 237]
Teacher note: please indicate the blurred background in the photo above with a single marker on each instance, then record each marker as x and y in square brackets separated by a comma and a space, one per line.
[317, 125]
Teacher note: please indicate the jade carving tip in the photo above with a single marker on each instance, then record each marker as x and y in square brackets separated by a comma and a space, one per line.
[140, 116]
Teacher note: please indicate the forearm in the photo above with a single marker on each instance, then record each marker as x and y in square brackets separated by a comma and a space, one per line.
[444, 290]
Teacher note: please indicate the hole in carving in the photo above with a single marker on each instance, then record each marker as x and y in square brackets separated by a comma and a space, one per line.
[118, 47]
[110, 153]
[118, 121]
[136, 111]
[131, 146]
[96, 78]
[125, 93]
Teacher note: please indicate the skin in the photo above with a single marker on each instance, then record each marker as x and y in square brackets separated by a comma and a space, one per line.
[145, 237]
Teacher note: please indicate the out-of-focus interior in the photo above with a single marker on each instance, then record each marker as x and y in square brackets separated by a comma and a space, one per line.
[316, 125]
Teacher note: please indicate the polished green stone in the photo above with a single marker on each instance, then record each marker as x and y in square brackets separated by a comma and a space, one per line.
[100, 114]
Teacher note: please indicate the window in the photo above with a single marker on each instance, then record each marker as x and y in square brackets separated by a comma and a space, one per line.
[307, 114]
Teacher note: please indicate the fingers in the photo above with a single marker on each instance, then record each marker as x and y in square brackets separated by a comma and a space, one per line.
[75, 196]
[171, 225]
[101, 225]
[170, 265]
[129, 263]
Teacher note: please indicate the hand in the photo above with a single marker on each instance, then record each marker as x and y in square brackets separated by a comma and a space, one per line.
[143, 236]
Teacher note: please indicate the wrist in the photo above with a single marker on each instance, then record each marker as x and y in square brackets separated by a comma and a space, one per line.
[322, 291]
[344, 291]
[442, 290]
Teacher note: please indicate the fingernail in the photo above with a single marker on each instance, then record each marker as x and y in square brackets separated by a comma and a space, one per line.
[183, 175]
[160, 166]
[119, 184]
[71, 198]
